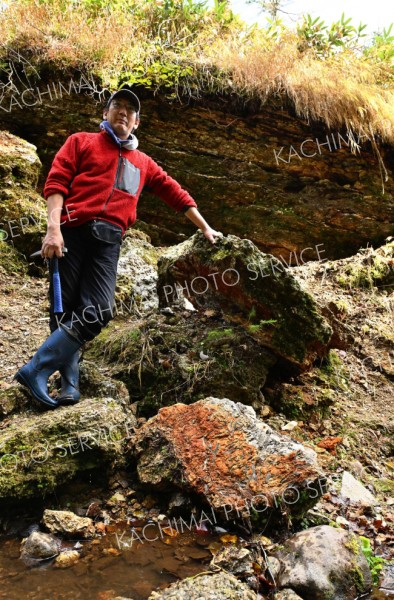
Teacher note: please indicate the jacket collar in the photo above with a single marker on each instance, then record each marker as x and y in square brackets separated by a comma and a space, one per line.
[130, 144]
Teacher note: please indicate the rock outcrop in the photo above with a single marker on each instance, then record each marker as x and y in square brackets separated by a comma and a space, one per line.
[238, 465]
[40, 452]
[11, 261]
[250, 288]
[22, 209]
[256, 172]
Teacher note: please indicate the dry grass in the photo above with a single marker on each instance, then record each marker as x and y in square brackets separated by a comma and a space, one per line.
[346, 90]
[341, 91]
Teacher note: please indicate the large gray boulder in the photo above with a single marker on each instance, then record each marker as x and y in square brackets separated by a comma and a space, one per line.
[250, 288]
[324, 563]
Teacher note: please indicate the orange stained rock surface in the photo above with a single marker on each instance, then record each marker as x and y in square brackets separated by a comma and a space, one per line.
[330, 443]
[218, 459]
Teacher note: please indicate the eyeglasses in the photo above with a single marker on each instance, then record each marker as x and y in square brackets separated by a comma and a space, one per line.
[118, 105]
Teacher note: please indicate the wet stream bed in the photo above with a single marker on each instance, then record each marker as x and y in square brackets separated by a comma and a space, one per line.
[105, 571]
[117, 564]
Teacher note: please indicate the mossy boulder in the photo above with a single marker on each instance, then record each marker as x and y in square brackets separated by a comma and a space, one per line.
[39, 452]
[314, 393]
[250, 288]
[11, 261]
[22, 209]
[324, 563]
[182, 357]
[12, 399]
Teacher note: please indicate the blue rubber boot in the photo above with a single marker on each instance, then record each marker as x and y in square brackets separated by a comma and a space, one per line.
[70, 381]
[55, 352]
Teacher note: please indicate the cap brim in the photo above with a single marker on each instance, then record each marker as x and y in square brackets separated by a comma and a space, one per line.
[127, 94]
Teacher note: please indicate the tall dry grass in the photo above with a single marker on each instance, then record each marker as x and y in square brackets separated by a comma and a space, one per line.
[345, 90]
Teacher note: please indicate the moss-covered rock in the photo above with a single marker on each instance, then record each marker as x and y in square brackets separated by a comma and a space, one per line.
[12, 399]
[22, 210]
[183, 357]
[300, 402]
[373, 269]
[19, 163]
[40, 452]
[250, 288]
[314, 392]
[324, 563]
[94, 384]
[11, 261]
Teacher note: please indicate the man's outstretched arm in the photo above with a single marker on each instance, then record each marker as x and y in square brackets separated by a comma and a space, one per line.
[169, 190]
[198, 220]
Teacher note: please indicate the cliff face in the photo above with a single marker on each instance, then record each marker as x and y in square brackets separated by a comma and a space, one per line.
[266, 175]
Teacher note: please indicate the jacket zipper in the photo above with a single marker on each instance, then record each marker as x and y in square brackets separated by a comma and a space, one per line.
[120, 164]
[121, 170]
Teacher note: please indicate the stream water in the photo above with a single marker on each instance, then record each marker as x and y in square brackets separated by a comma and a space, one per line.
[108, 568]
[104, 571]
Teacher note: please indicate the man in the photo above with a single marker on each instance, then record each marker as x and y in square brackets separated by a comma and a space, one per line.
[92, 192]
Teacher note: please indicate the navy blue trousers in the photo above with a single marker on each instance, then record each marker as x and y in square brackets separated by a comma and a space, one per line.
[88, 279]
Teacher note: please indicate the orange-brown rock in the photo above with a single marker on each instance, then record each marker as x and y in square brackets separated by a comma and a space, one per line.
[220, 450]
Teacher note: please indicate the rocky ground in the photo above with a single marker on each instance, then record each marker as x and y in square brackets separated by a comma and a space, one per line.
[227, 382]
[338, 405]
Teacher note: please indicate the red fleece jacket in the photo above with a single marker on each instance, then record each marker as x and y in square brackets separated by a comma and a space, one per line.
[87, 171]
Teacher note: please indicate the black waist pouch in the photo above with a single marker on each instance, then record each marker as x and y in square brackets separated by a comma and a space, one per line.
[106, 232]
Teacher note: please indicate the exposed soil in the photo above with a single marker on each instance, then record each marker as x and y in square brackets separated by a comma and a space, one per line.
[24, 320]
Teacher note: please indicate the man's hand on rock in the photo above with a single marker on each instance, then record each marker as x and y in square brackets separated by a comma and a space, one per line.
[53, 243]
[211, 234]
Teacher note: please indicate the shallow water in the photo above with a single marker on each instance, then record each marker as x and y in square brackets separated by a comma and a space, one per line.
[103, 571]
[108, 568]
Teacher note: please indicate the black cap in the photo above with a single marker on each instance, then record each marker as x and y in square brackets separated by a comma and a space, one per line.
[127, 94]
